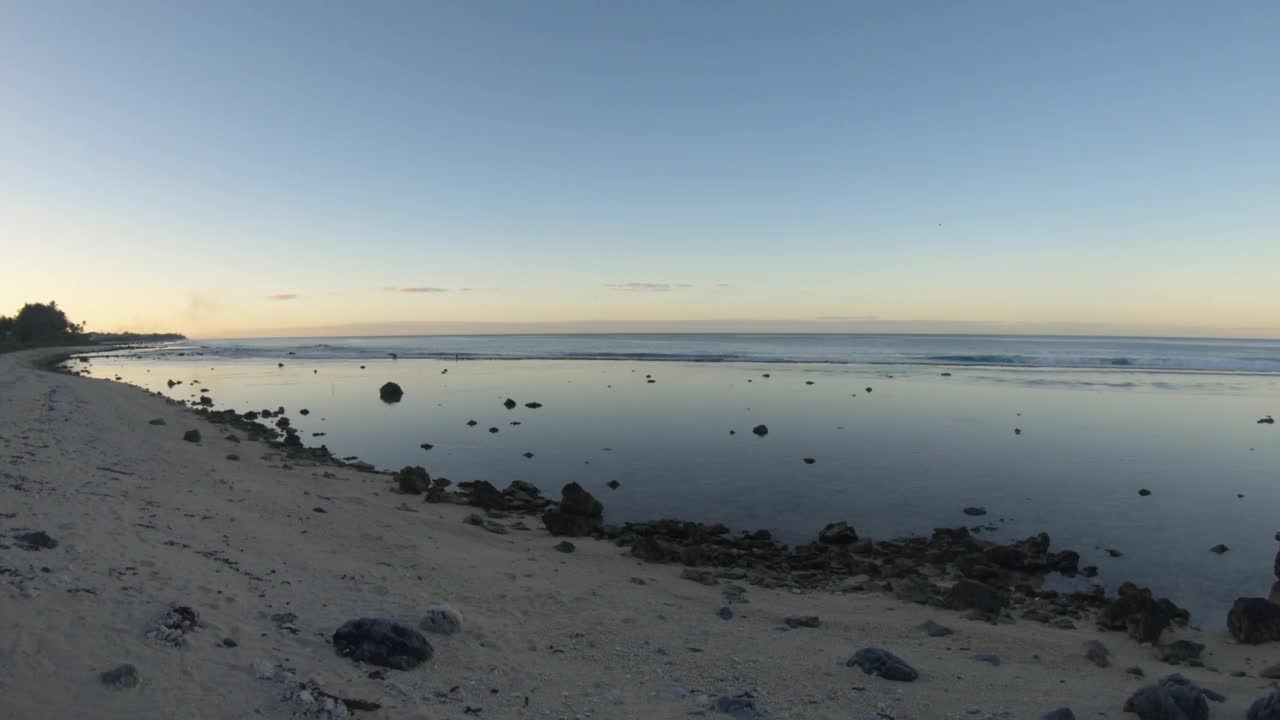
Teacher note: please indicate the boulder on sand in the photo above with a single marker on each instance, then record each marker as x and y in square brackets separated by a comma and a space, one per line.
[390, 393]
[578, 513]
[413, 479]
[378, 641]
[838, 533]
[191, 436]
[1254, 620]
[876, 661]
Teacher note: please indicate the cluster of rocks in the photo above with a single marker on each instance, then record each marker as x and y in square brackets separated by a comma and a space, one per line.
[174, 625]
[283, 436]
[1255, 620]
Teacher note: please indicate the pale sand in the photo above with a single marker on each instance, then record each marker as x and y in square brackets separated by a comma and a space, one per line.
[177, 523]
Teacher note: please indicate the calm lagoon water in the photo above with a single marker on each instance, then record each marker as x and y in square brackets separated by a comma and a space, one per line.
[904, 458]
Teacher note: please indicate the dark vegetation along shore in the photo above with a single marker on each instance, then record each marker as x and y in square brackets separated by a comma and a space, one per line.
[38, 325]
[950, 569]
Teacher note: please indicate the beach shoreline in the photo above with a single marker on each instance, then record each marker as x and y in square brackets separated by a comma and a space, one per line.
[145, 521]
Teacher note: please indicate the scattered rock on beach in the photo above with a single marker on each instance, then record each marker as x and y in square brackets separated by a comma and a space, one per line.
[1097, 653]
[120, 677]
[1265, 708]
[973, 595]
[38, 540]
[1174, 698]
[739, 708]
[933, 629]
[442, 620]
[988, 658]
[760, 430]
[390, 393]
[383, 642]
[838, 533]
[877, 661]
[1059, 714]
[565, 546]
[1181, 651]
[1254, 620]
[157, 421]
[578, 513]
[192, 436]
[1136, 611]
[233, 457]
[413, 480]
[173, 626]
[802, 621]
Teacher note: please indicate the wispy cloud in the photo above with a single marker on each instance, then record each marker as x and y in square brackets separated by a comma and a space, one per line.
[647, 286]
[847, 318]
[278, 297]
[416, 289]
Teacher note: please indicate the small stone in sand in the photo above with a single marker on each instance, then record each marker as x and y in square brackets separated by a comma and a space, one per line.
[877, 661]
[988, 659]
[725, 613]
[121, 677]
[565, 546]
[192, 436]
[157, 421]
[802, 621]
[1059, 714]
[1097, 653]
[38, 540]
[442, 620]
[233, 456]
[933, 629]
[378, 641]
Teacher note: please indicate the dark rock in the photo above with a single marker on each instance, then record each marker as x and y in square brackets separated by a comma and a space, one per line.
[382, 642]
[509, 404]
[1219, 549]
[233, 457]
[471, 423]
[877, 661]
[232, 438]
[968, 594]
[739, 708]
[157, 421]
[1181, 651]
[1089, 571]
[1265, 708]
[809, 461]
[565, 546]
[988, 658]
[304, 411]
[1271, 672]
[38, 540]
[933, 629]
[837, 533]
[975, 511]
[760, 430]
[120, 677]
[725, 613]
[799, 621]
[1144, 492]
[1059, 714]
[191, 436]
[483, 494]
[579, 513]
[528, 455]
[426, 446]
[413, 480]
[1137, 612]
[1268, 420]
[613, 484]
[533, 405]
[868, 389]
[390, 393]
[1174, 698]
[1135, 671]
[1254, 620]
[493, 429]
[1097, 653]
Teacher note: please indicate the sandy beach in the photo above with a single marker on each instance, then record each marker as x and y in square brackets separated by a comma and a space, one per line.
[144, 521]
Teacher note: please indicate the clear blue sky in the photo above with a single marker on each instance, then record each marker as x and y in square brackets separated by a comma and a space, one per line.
[1028, 165]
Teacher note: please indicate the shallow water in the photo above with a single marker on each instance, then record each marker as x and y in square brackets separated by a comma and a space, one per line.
[902, 459]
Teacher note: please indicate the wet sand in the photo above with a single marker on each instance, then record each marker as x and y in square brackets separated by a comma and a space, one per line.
[145, 521]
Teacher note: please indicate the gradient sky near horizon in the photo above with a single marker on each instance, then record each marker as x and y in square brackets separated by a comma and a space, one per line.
[239, 168]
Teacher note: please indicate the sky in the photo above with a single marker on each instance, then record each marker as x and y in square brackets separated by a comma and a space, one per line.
[247, 168]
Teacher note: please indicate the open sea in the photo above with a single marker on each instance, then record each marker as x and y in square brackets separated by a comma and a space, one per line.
[1048, 433]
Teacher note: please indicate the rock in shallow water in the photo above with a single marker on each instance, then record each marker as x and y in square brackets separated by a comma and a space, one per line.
[390, 393]
[877, 661]
[1254, 620]
[378, 641]
[838, 533]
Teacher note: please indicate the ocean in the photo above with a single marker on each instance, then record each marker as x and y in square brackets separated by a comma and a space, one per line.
[1054, 434]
